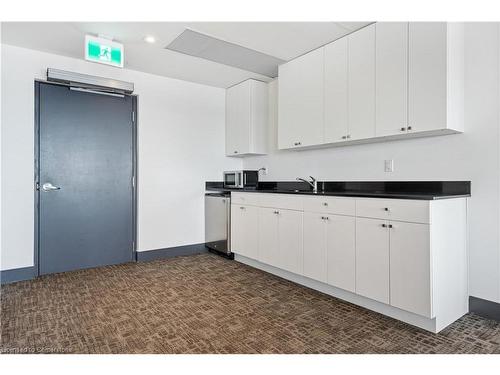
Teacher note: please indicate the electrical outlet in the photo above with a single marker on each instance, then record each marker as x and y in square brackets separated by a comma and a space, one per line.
[389, 165]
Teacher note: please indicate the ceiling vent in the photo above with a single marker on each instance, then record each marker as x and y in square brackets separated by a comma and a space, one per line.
[206, 47]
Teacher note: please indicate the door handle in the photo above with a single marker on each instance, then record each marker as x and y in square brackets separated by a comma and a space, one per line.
[49, 187]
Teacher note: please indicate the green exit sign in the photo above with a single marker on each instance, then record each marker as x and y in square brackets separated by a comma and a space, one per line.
[103, 51]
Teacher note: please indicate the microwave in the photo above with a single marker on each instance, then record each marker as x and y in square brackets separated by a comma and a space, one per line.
[241, 179]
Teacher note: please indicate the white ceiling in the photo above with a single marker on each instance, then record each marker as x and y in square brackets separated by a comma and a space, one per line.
[284, 40]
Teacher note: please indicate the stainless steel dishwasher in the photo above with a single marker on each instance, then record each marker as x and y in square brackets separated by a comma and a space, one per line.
[218, 223]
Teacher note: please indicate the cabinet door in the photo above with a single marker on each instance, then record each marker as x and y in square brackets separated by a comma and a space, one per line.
[427, 75]
[372, 259]
[315, 265]
[238, 119]
[341, 251]
[410, 267]
[362, 83]
[336, 109]
[300, 98]
[290, 240]
[259, 112]
[269, 236]
[244, 231]
[391, 78]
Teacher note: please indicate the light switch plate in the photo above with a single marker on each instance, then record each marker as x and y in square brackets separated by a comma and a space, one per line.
[389, 165]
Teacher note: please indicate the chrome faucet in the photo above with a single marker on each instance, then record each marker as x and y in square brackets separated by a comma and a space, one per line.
[313, 183]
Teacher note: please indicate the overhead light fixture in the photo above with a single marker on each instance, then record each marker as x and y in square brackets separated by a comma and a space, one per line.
[149, 39]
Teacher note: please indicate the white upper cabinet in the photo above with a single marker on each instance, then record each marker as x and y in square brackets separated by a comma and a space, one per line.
[361, 91]
[300, 101]
[246, 118]
[336, 85]
[391, 76]
[435, 76]
[388, 80]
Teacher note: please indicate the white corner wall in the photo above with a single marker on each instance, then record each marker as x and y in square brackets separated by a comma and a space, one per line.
[180, 146]
[472, 156]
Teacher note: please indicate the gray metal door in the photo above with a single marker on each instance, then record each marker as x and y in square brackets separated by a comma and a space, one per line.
[86, 165]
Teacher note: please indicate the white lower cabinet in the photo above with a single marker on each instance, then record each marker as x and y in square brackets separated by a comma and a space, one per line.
[315, 266]
[244, 229]
[372, 259]
[268, 236]
[329, 249]
[341, 251]
[410, 260]
[290, 231]
[393, 264]
[403, 258]
[280, 238]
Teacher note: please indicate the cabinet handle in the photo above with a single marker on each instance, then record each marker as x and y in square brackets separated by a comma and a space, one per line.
[325, 204]
[235, 152]
[408, 128]
[348, 136]
[384, 225]
[390, 226]
[297, 143]
[242, 208]
[276, 212]
[386, 209]
[403, 129]
[344, 137]
[327, 218]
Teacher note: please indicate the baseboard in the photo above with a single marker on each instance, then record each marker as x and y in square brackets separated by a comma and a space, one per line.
[145, 256]
[17, 274]
[419, 321]
[485, 308]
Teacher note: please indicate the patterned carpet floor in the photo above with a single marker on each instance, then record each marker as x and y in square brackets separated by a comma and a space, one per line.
[207, 304]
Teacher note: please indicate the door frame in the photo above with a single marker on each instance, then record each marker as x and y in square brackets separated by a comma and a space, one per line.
[36, 182]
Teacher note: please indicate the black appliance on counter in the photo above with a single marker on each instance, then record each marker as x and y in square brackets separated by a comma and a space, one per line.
[241, 179]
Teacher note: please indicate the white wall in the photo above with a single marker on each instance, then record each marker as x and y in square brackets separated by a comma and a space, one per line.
[181, 143]
[180, 146]
[472, 156]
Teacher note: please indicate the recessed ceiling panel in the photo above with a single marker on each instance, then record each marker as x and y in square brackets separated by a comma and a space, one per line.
[192, 43]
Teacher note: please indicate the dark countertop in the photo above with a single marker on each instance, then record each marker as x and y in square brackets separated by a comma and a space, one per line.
[419, 190]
